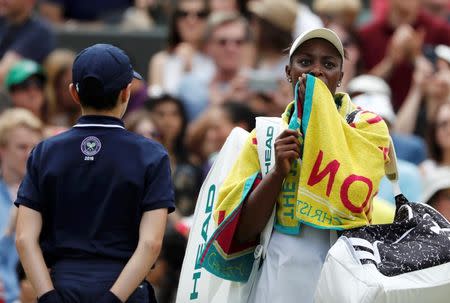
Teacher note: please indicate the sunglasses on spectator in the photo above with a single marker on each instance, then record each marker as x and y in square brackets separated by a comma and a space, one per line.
[225, 41]
[198, 14]
[28, 83]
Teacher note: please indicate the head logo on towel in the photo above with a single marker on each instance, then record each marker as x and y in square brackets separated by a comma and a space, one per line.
[90, 146]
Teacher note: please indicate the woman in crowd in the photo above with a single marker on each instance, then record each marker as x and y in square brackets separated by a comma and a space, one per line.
[430, 88]
[184, 53]
[438, 141]
[330, 189]
[62, 110]
[171, 122]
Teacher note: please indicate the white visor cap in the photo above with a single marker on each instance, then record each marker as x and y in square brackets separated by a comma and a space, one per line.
[323, 33]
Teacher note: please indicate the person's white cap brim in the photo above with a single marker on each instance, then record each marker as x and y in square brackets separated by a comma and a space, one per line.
[443, 52]
[323, 33]
[438, 180]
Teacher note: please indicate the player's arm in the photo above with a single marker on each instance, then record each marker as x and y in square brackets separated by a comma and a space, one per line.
[29, 225]
[151, 232]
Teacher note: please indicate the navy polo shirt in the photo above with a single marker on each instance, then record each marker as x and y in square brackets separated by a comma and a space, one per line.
[91, 185]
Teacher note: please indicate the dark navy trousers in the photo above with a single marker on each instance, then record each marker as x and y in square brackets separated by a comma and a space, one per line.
[85, 281]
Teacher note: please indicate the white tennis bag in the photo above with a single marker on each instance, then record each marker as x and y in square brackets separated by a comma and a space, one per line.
[407, 261]
[196, 284]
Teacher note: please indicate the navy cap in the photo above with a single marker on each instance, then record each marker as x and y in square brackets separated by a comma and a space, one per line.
[106, 63]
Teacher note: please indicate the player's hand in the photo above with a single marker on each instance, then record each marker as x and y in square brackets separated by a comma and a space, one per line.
[287, 149]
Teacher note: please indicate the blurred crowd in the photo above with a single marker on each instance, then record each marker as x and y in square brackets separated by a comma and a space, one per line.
[223, 65]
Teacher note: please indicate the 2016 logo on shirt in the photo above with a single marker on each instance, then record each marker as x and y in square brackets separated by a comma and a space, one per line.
[90, 146]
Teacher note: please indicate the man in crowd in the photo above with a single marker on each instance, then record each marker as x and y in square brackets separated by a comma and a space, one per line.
[226, 35]
[20, 131]
[22, 35]
[25, 85]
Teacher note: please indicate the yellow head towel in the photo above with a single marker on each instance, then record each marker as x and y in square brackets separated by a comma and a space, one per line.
[342, 163]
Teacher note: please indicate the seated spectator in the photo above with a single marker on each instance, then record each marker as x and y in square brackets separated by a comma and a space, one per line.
[25, 84]
[170, 119]
[272, 24]
[208, 133]
[438, 141]
[62, 111]
[184, 54]
[86, 11]
[430, 89]
[226, 35]
[27, 293]
[391, 45]
[372, 93]
[22, 35]
[437, 191]
[20, 131]
[141, 123]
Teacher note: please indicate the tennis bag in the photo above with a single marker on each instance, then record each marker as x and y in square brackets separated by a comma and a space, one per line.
[196, 284]
[406, 261]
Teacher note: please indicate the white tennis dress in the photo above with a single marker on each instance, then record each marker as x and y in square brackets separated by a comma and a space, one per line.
[292, 266]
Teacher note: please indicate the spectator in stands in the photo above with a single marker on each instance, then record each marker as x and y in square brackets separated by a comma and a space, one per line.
[20, 131]
[184, 54]
[170, 119]
[141, 123]
[437, 191]
[27, 293]
[208, 133]
[344, 12]
[391, 45]
[22, 35]
[222, 120]
[25, 83]
[62, 110]
[272, 25]
[226, 35]
[430, 88]
[85, 11]
[438, 141]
